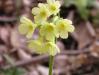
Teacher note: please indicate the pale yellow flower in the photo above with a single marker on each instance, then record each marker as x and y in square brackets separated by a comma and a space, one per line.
[41, 11]
[49, 25]
[43, 48]
[37, 46]
[64, 26]
[26, 27]
[53, 6]
[38, 20]
[52, 48]
[48, 31]
[50, 1]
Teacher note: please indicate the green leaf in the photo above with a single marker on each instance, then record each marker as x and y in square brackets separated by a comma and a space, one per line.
[68, 2]
[13, 71]
[81, 3]
[84, 13]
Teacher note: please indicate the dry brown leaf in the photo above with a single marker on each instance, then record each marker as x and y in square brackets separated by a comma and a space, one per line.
[4, 34]
[97, 33]
[33, 72]
[81, 59]
[23, 55]
[3, 49]
[94, 48]
[14, 38]
[60, 45]
[9, 6]
[83, 36]
[43, 70]
[61, 61]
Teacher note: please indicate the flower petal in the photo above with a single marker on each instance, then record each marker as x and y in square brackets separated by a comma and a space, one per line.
[48, 31]
[52, 48]
[35, 11]
[64, 35]
[26, 21]
[70, 28]
[58, 4]
[67, 21]
[29, 34]
[50, 1]
[50, 37]
[35, 45]
[23, 29]
[41, 5]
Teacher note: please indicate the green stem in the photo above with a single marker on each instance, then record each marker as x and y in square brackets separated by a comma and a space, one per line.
[51, 65]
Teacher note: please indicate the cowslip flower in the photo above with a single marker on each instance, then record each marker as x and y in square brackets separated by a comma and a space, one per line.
[52, 48]
[43, 48]
[48, 31]
[38, 20]
[41, 11]
[53, 6]
[37, 46]
[63, 26]
[50, 27]
[26, 27]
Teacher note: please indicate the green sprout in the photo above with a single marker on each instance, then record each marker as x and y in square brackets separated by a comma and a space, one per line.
[82, 7]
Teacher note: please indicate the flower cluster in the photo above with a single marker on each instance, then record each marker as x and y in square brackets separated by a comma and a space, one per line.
[50, 26]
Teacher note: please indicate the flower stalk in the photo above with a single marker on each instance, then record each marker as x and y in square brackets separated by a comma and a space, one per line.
[51, 61]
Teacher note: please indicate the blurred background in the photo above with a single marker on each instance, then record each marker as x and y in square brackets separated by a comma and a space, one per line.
[79, 53]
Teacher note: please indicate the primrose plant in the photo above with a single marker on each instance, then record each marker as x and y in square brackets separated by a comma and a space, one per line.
[50, 26]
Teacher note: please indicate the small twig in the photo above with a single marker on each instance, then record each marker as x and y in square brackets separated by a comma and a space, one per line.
[39, 59]
[70, 17]
[75, 52]
[7, 19]
[26, 62]
[90, 29]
